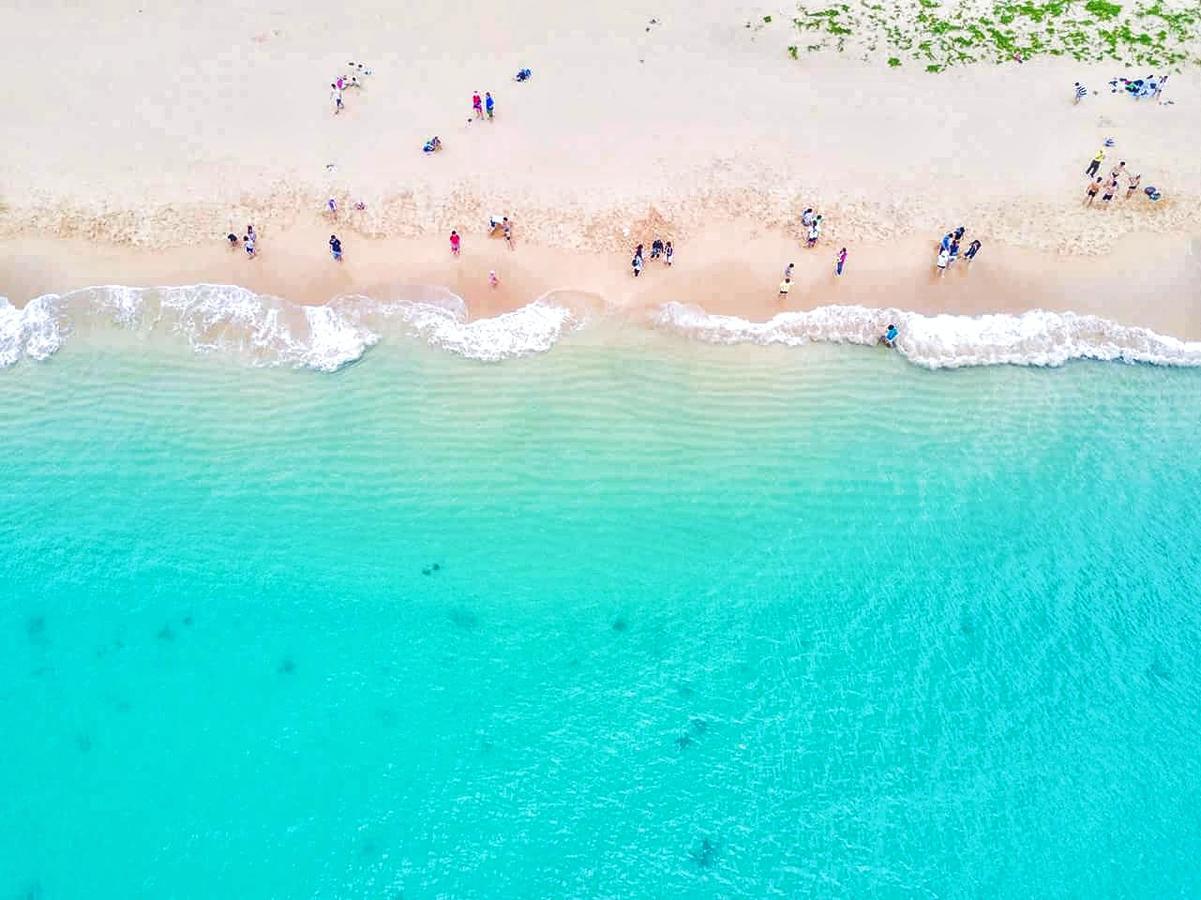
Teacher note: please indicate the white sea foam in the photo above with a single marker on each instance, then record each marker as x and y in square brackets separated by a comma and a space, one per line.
[271, 331]
[1035, 338]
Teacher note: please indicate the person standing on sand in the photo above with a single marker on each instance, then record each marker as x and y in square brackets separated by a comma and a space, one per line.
[636, 263]
[335, 94]
[840, 261]
[1117, 171]
[1132, 184]
[335, 247]
[233, 240]
[248, 243]
[953, 253]
[944, 257]
[807, 217]
[1081, 92]
[972, 249]
[1095, 164]
[493, 281]
[785, 287]
[489, 104]
[477, 105]
[1110, 190]
[1091, 194]
[815, 230]
[788, 270]
[508, 231]
[454, 243]
[668, 252]
[656, 248]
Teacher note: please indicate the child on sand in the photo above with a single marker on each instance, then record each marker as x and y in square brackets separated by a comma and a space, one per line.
[454, 243]
[233, 240]
[944, 257]
[668, 252]
[840, 261]
[335, 247]
[972, 250]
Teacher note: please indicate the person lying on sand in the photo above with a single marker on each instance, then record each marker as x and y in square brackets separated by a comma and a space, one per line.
[433, 145]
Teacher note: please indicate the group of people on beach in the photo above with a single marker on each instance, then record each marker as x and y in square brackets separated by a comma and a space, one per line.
[352, 78]
[840, 264]
[948, 250]
[1109, 186]
[481, 108]
[811, 222]
[249, 241]
[659, 250]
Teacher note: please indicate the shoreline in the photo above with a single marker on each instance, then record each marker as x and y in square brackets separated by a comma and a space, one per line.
[728, 268]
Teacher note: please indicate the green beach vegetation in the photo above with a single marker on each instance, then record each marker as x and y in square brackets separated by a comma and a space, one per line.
[937, 35]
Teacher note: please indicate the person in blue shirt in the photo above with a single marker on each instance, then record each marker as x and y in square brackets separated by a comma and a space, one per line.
[489, 104]
[889, 338]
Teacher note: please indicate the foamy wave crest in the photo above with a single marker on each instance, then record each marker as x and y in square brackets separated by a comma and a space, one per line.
[271, 331]
[1035, 338]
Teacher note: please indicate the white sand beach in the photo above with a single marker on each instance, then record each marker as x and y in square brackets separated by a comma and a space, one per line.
[138, 136]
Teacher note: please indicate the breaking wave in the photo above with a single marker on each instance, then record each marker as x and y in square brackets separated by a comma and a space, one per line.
[1035, 338]
[272, 331]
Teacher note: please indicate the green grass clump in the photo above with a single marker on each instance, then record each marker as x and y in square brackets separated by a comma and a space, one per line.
[1142, 34]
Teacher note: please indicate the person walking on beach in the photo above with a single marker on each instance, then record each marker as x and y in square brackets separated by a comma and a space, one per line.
[1132, 184]
[493, 281]
[335, 247]
[953, 253]
[1117, 171]
[944, 257]
[335, 94]
[807, 217]
[508, 232]
[788, 270]
[248, 243]
[1081, 92]
[656, 248]
[477, 105]
[972, 249]
[840, 260]
[454, 243]
[1095, 164]
[785, 287]
[489, 104]
[1091, 194]
[668, 252]
[1110, 190]
[636, 262]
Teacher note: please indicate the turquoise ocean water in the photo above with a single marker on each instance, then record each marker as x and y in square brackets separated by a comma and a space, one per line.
[637, 617]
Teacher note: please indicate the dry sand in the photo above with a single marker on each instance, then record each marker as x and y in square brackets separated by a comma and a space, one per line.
[137, 136]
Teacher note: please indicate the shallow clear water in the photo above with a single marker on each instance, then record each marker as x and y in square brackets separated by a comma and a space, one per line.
[637, 617]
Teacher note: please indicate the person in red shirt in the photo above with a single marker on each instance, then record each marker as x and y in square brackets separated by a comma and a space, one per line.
[454, 243]
[478, 105]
